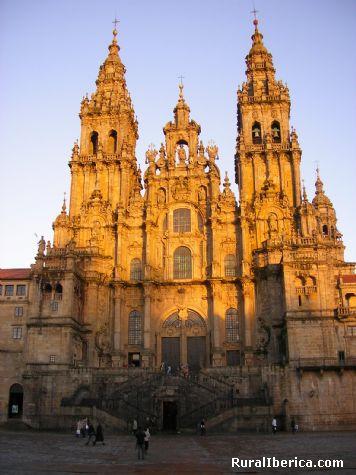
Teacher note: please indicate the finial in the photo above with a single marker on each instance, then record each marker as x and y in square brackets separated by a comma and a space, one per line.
[114, 31]
[254, 11]
[181, 86]
[305, 198]
[318, 184]
[64, 206]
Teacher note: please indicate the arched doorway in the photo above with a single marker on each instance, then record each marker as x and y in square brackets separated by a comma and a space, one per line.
[183, 340]
[15, 401]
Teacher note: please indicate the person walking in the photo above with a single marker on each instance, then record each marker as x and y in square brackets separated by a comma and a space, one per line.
[79, 428]
[134, 426]
[274, 425]
[147, 438]
[90, 432]
[140, 443]
[169, 370]
[99, 435]
[292, 425]
[202, 427]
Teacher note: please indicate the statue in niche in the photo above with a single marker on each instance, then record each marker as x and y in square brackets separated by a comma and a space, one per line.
[182, 156]
[272, 225]
[202, 194]
[96, 235]
[161, 197]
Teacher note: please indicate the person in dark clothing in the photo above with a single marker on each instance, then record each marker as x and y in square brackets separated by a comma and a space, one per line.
[99, 435]
[293, 425]
[140, 443]
[202, 427]
[90, 432]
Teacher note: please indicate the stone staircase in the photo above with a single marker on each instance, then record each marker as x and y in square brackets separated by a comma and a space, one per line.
[141, 395]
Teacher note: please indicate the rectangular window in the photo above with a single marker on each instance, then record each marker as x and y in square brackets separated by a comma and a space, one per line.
[18, 311]
[0, 289]
[52, 358]
[16, 333]
[21, 290]
[9, 290]
[341, 357]
[54, 306]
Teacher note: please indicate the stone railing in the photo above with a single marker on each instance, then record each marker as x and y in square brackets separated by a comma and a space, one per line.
[306, 290]
[345, 312]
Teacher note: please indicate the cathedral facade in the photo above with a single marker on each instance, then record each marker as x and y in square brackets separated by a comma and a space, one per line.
[168, 272]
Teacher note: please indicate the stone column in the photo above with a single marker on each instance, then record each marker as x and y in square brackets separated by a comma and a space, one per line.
[215, 300]
[249, 314]
[117, 319]
[296, 156]
[147, 353]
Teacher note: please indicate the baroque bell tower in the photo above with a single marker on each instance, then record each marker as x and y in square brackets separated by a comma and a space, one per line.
[268, 154]
[103, 166]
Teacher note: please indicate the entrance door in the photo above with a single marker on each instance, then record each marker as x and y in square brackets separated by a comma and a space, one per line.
[196, 349]
[171, 352]
[170, 415]
[15, 401]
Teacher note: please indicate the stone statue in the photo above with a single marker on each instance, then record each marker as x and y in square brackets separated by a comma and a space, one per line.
[161, 196]
[41, 246]
[201, 194]
[182, 156]
[272, 225]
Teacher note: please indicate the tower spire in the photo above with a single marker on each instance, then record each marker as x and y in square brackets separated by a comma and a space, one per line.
[319, 185]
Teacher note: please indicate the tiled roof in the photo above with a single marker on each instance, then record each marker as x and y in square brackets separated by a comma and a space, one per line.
[15, 273]
[349, 279]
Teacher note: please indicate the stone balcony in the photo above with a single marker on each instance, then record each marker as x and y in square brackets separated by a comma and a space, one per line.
[345, 312]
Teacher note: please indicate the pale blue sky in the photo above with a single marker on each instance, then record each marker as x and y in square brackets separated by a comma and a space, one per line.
[50, 55]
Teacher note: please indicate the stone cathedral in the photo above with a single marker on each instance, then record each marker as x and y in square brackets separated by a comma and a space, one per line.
[163, 298]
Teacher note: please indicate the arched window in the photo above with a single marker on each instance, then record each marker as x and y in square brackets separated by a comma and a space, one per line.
[181, 220]
[112, 142]
[47, 290]
[230, 265]
[232, 325]
[182, 263]
[135, 269]
[94, 140]
[256, 133]
[325, 230]
[58, 291]
[276, 132]
[135, 328]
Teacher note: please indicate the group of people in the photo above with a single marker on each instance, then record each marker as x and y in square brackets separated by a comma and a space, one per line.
[294, 426]
[142, 439]
[85, 428]
[183, 369]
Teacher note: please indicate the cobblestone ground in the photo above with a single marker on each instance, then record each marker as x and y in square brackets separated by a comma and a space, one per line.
[57, 453]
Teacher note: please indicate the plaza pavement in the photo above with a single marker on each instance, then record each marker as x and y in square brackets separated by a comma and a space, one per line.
[31, 452]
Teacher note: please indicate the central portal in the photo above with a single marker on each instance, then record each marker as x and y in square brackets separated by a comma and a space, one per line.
[184, 340]
[170, 411]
